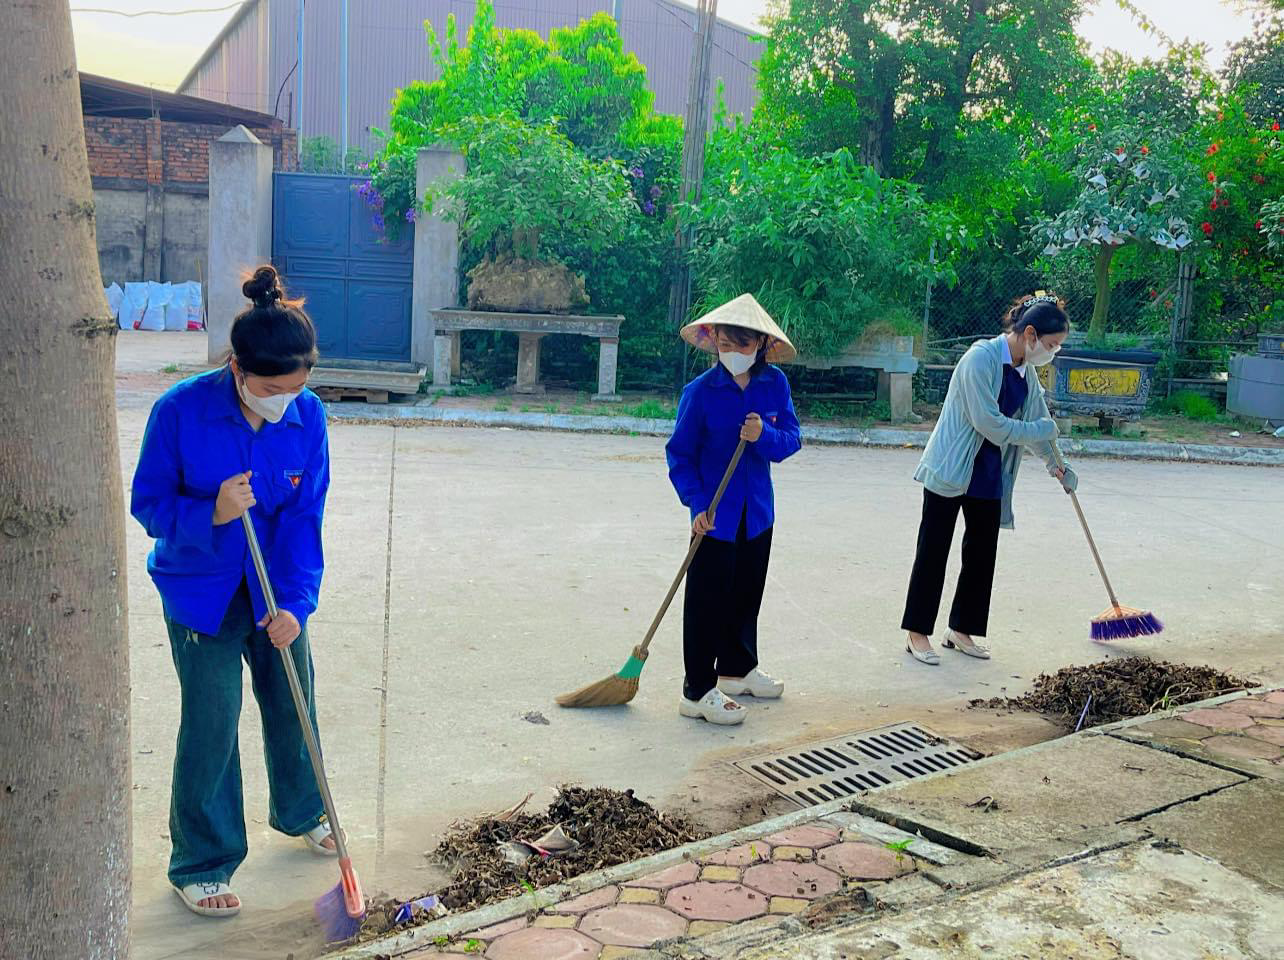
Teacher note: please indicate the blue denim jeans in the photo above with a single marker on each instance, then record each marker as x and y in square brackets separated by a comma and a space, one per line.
[206, 818]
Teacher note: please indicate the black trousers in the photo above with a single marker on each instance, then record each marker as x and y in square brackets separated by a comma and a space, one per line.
[720, 610]
[971, 610]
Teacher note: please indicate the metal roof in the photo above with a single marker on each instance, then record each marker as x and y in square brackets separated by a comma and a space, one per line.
[105, 97]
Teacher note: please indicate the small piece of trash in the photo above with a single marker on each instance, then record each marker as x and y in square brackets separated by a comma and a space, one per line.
[534, 716]
[1235, 433]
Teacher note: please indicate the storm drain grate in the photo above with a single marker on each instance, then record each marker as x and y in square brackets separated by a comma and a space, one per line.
[832, 769]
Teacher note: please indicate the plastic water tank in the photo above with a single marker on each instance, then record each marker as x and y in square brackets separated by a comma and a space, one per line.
[1256, 387]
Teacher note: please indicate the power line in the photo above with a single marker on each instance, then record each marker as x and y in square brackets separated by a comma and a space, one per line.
[160, 13]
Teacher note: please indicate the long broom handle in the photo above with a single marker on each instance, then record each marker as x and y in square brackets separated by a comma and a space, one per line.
[1083, 522]
[640, 651]
[296, 691]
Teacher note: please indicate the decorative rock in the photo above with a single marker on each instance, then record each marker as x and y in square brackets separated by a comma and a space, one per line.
[632, 925]
[499, 929]
[706, 900]
[699, 928]
[792, 853]
[755, 851]
[864, 861]
[805, 880]
[602, 897]
[729, 874]
[808, 835]
[640, 895]
[787, 905]
[1273, 735]
[1257, 708]
[552, 921]
[665, 879]
[1218, 719]
[545, 944]
[1243, 747]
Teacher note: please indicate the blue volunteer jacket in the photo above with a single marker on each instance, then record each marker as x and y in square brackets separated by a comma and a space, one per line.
[710, 414]
[196, 438]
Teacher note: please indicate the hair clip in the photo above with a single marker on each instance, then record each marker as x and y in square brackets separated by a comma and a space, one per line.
[1038, 298]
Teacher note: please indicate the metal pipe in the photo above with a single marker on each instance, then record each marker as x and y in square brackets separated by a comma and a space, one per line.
[298, 78]
[343, 85]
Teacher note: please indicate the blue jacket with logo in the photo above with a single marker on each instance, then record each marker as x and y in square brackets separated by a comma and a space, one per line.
[196, 438]
[710, 414]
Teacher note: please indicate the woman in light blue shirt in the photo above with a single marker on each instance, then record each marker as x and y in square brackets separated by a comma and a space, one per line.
[993, 410]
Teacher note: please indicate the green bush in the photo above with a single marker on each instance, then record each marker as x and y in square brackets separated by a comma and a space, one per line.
[1193, 406]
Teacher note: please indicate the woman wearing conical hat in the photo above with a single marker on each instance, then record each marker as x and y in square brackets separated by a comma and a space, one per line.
[741, 397]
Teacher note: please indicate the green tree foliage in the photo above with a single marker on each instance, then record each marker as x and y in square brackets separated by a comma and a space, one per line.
[1255, 68]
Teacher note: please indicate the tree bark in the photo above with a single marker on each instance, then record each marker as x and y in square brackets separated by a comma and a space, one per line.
[64, 665]
[1101, 305]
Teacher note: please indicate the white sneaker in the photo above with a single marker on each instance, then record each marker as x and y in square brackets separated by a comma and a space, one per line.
[715, 707]
[755, 683]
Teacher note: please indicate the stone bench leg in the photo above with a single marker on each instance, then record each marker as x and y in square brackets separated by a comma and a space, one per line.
[528, 363]
[443, 359]
[897, 389]
[454, 355]
[607, 361]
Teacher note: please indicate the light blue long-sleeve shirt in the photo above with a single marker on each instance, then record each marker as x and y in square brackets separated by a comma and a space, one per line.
[196, 438]
[971, 415]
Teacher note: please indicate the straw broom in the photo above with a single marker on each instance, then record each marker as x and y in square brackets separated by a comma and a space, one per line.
[1117, 622]
[622, 687]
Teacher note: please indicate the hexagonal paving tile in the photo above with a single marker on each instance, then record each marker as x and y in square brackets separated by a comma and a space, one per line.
[633, 925]
[808, 835]
[706, 900]
[1257, 708]
[665, 879]
[537, 943]
[498, 929]
[865, 861]
[602, 897]
[1218, 719]
[756, 851]
[805, 881]
[1242, 747]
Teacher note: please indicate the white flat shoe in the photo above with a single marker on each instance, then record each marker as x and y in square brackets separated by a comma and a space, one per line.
[970, 649]
[930, 657]
[755, 683]
[194, 893]
[318, 833]
[714, 706]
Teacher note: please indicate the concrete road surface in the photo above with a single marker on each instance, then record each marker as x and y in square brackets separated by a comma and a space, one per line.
[474, 574]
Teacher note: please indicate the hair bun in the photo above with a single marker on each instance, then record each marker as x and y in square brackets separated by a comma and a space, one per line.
[264, 288]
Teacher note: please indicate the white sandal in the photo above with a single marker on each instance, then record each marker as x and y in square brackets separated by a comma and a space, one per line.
[715, 706]
[970, 649]
[755, 683]
[318, 833]
[194, 893]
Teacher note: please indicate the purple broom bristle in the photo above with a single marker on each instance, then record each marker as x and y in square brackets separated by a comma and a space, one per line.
[333, 917]
[1121, 628]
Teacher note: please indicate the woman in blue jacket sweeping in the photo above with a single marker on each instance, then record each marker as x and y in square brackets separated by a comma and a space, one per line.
[742, 397]
[993, 410]
[247, 435]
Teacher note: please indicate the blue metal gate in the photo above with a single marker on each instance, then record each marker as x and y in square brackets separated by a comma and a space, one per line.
[357, 284]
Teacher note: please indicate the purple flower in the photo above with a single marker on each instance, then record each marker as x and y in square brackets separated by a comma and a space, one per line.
[377, 220]
[648, 208]
[365, 190]
[410, 215]
[637, 173]
[655, 193]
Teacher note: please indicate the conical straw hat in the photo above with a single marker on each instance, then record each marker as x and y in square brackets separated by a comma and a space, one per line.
[744, 311]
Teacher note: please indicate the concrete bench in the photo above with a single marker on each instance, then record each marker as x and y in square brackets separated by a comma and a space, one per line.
[896, 364]
[530, 328]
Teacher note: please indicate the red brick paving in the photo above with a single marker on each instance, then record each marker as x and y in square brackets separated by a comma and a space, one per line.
[803, 881]
[706, 900]
[1257, 708]
[864, 861]
[633, 925]
[672, 877]
[539, 943]
[603, 897]
[757, 851]
[1218, 718]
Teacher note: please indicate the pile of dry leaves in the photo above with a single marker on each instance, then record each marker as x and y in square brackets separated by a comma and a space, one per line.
[1118, 689]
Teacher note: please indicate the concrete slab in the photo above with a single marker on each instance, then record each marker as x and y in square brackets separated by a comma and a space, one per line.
[1044, 794]
[1141, 903]
[1239, 827]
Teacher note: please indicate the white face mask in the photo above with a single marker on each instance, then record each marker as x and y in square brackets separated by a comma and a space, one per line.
[736, 362]
[1039, 354]
[272, 408]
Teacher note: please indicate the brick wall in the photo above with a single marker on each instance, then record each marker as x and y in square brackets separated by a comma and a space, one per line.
[123, 151]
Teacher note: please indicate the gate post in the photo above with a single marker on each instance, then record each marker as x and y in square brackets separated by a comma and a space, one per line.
[240, 208]
[436, 270]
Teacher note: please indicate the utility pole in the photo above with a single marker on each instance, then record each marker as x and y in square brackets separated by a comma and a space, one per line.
[696, 125]
[298, 77]
[343, 85]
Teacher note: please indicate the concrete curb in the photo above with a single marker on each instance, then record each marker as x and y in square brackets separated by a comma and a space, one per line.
[885, 437]
[834, 810]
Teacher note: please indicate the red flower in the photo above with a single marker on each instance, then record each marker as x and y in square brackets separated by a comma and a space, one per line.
[1258, 178]
[1214, 205]
[1153, 293]
[1258, 225]
[1145, 151]
[1212, 176]
[1207, 228]
[1092, 127]
[1212, 148]
[1275, 125]
[1119, 151]
[1220, 116]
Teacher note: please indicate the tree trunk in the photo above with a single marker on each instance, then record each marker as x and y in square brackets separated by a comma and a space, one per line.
[1101, 305]
[64, 680]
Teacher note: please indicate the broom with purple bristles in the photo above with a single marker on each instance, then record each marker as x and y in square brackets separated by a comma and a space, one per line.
[1116, 622]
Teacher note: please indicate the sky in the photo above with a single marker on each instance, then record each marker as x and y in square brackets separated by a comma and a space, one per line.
[159, 50]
